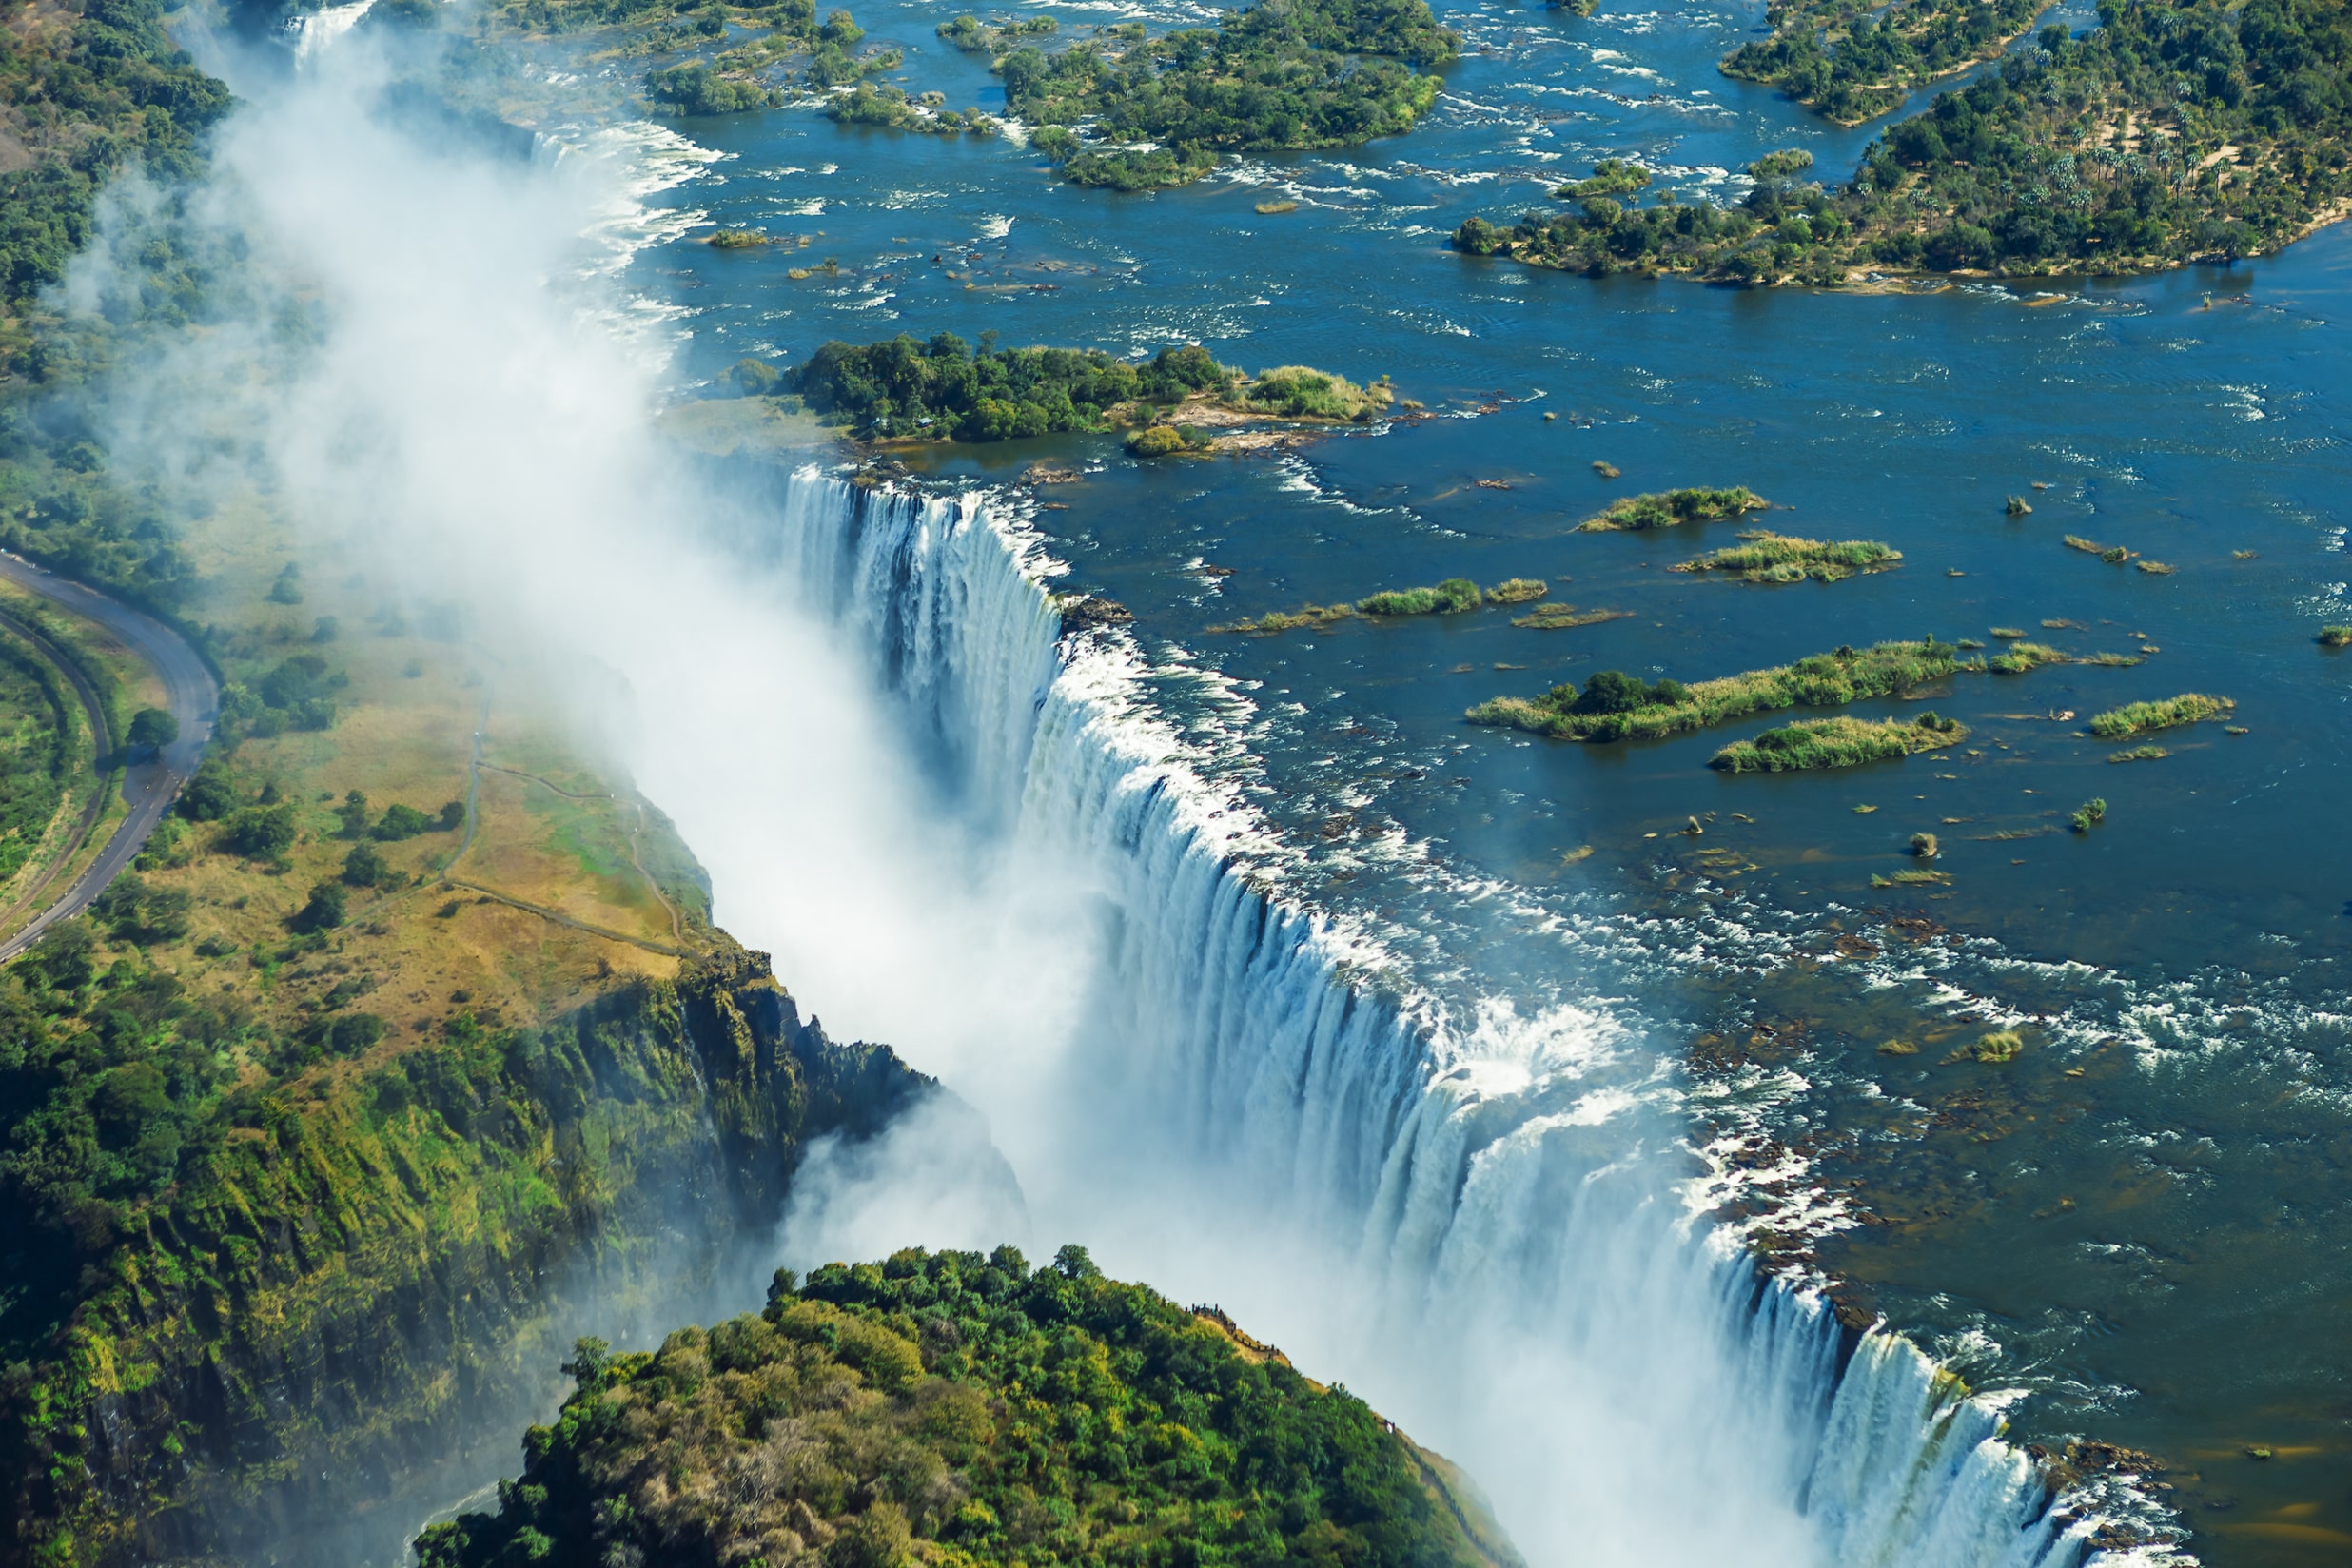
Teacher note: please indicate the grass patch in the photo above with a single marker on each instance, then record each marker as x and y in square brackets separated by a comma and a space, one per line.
[2113, 555]
[1911, 879]
[1299, 392]
[1673, 508]
[2336, 637]
[1517, 591]
[1840, 742]
[1562, 617]
[1450, 597]
[2000, 1046]
[2087, 815]
[2154, 568]
[1766, 557]
[2139, 717]
[2139, 753]
[1615, 706]
[1317, 616]
[2116, 661]
[2008, 634]
[2018, 657]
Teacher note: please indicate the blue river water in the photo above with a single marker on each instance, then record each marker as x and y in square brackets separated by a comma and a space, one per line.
[2138, 1221]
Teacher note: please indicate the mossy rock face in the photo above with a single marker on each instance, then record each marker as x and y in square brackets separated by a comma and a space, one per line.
[365, 1280]
[963, 1409]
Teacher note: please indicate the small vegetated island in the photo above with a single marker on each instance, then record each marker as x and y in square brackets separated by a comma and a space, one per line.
[942, 389]
[1135, 112]
[1673, 508]
[1839, 742]
[2140, 717]
[1454, 597]
[1768, 558]
[962, 1410]
[1615, 706]
[2169, 133]
[746, 48]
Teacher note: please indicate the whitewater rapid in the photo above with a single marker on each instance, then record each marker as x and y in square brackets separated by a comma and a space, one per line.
[1505, 1203]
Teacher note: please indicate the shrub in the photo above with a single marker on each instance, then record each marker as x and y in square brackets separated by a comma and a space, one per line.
[1157, 440]
[2336, 637]
[1672, 508]
[323, 912]
[262, 832]
[153, 728]
[2087, 815]
[1450, 597]
[400, 822]
[2139, 717]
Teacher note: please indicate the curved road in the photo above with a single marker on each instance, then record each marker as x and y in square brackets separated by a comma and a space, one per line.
[151, 784]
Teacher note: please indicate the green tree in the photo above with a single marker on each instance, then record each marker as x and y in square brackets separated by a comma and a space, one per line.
[152, 728]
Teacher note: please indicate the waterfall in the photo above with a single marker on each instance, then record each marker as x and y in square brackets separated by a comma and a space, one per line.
[1513, 1189]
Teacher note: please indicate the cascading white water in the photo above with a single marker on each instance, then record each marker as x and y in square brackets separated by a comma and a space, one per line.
[1509, 1195]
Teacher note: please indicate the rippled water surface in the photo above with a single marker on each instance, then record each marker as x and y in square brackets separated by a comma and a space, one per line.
[2139, 1220]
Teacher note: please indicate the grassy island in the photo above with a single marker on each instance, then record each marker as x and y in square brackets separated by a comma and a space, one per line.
[2140, 717]
[1450, 597]
[2019, 658]
[1672, 508]
[943, 389]
[1615, 706]
[1767, 557]
[2170, 133]
[1840, 742]
[2336, 637]
[967, 1411]
[1563, 617]
[1289, 77]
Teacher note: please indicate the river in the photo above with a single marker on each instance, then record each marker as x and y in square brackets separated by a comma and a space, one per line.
[1424, 1047]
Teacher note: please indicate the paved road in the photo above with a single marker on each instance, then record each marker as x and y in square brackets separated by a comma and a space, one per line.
[152, 783]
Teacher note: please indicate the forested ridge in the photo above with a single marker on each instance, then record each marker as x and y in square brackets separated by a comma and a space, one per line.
[964, 1410]
[2171, 132]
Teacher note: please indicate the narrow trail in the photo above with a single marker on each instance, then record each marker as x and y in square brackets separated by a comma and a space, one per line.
[474, 767]
[150, 785]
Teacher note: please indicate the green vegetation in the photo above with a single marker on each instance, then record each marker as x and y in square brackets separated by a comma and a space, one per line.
[974, 36]
[1767, 557]
[88, 90]
[1517, 591]
[2336, 637]
[2155, 568]
[1295, 392]
[2140, 717]
[868, 105]
[739, 239]
[1923, 845]
[1613, 706]
[1450, 597]
[2016, 506]
[1911, 879]
[2018, 657]
[944, 390]
[1163, 441]
[2139, 753]
[1850, 63]
[2172, 132]
[1319, 618]
[960, 1409]
[2115, 661]
[1672, 508]
[2087, 815]
[752, 40]
[43, 747]
[1562, 617]
[2008, 634]
[1839, 742]
[941, 390]
[1999, 1045]
[1285, 77]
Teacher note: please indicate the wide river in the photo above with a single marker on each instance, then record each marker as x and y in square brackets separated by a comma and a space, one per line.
[2139, 1221]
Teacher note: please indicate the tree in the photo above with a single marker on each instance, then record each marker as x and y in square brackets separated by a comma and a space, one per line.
[288, 587]
[402, 822]
[262, 832]
[452, 817]
[324, 911]
[209, 796]
[364, 867]
[152, 728]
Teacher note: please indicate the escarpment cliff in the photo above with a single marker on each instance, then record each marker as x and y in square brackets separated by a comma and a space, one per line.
[294, 1349]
